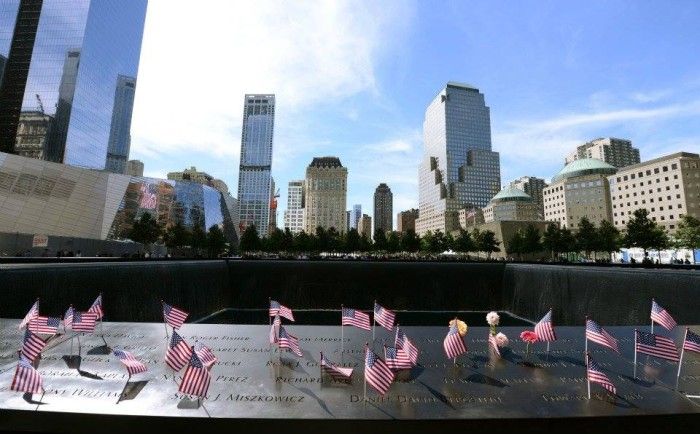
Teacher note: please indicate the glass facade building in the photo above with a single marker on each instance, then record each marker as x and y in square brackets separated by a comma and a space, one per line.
[254, 176]
[42, 197]
[459, 169]
[120, 129]
[64, 61]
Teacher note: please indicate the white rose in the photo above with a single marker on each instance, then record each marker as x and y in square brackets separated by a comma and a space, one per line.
[492, 318]
[501, 340]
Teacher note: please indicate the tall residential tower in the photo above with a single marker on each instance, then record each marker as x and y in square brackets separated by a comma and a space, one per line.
[294, 215]
[325, 189]
[459, 169]
[254, 177]
[383, 208]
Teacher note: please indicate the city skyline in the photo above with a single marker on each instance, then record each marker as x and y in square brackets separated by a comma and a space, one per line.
[332, 106]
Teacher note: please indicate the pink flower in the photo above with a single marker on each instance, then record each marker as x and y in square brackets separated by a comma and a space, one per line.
[501, 340]
[528, 336]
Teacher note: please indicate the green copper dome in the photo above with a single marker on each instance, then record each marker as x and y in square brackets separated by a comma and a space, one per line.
[584, 166]
[510, 194]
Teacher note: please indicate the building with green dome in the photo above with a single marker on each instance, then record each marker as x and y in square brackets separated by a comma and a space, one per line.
[511, 204]
[580, 189]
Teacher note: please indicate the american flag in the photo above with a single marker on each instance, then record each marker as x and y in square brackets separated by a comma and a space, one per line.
[278, 309]
[148, 199]
[96, 307]
[494, 344]
[377, 373]
[178, 354]
[84, 322]
[173, 316]
[196, 379]
[384, 317]
[655, 345]
[336, 372]
[205, 354]
[597, 334]
[33, 313]
[396, 358]
[68, 317]
[402, 341]
[660, 316]
[26, 378]
[453, 343]
[32, 345]
[133, 366]
[275, 329]
[544, 329]
[691, 342]
[44, 325]
[596, 375]
[353, 317]
[288, 340]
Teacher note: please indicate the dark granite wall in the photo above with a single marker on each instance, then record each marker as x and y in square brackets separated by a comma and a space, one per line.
[614, 296]
[132, 291]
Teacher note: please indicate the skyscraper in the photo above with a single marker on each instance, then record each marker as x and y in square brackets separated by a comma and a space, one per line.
[616, 152]
[325, 189]
[406, 220]
[135, 168]
[355, 216]
[120, 130]
[66, 56]
[383, 208]
[294, 214]
[533, 186]
[459, 169]
[254, 177]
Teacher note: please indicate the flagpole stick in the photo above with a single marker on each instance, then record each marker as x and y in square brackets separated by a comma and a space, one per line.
[40, 399]
[680, 361]
[269, 318]
[652, 319]
[364, 383]
[341, 332]
[635, 354]
[588, 378]
[79, 345]
[374, 321]
[547, 347]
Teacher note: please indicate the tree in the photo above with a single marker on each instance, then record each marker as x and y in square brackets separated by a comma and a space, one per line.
[608, 237]
[322, 240]
[287, 243]
[198, 240]
[273, 242]
[176, 236]
[644, 233]
[250, 240]
[380, 242]
[365, 243]
[352, 241]
[551, 240]
[145, 230]
[567, 242]
[516, 244]
[335, 240]
[586, 236]
[532, 240]
[393, 242]
[216, 241]
[688, 233]
[410, 242]
[486, 242]
[302, 242]
[464, 243]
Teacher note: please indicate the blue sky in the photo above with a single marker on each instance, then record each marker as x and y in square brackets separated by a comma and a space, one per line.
[353, 79]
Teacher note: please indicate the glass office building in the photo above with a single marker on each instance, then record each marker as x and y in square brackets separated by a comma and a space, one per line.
[120, 130]
[254, 177]
[64, 62]
[459, 169]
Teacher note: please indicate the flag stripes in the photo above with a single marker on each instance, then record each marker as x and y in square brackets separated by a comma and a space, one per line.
[353, 317]
[655, 345]
[26, 379]
[597, 334]
[336, 372]
[173, 316]
[178, 354]
[384, 317]
[377, 373]
[396, 358]
[133, 366]
[660, 316]
[277, 309]
[453, 343]
[545, 329]
[596, 375]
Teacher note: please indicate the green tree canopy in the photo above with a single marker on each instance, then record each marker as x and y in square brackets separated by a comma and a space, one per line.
[608, 237]
[486, 242]
[532, 240]
[586, 236]
[516, 244]
[176, 236]
[352, 241]
[250, 240]
[551, 239]
[380, 241]
[644, 233]
[216, 241]
[688, 233]
[464, 243]
[393, 242]
[146, 230]
[410, 242]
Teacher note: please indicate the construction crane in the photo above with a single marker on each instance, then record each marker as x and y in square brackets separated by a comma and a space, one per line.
[41, 106]
[273, 203]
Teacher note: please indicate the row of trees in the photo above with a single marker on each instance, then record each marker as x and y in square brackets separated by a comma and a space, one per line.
[332, 241]
[640, 232]
[147, 230]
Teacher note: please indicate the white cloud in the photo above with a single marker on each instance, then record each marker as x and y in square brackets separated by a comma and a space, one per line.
[198, 62]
